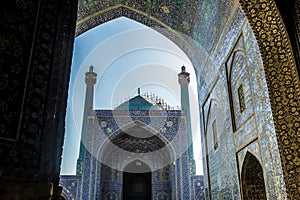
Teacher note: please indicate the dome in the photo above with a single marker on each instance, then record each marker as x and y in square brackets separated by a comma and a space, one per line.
[137, 103]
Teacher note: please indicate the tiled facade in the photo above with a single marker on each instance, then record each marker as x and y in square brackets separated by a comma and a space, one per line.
[234, 98]
[238, 103]
[35, 79]
[135, 139]
[102, 170]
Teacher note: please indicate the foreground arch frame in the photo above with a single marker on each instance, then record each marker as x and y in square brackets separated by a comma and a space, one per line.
[279, 65]
[50, 59]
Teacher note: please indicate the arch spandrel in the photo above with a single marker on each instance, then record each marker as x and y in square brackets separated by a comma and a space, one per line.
[171, 13]
[283, 83]
[203, 16]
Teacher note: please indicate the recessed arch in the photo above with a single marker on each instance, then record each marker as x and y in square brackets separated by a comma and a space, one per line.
[214, 131]
[114, 89]
[213, 103]
[216, 106]
[280, 67]
[137, 181]
[238, 58]
[126, 146]
[239, 85]
[252, 177]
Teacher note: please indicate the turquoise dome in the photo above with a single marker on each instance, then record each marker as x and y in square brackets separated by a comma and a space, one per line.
[137, 103]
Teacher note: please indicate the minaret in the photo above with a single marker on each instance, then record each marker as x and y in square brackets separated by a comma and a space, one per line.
[90, 80]
[184, 80]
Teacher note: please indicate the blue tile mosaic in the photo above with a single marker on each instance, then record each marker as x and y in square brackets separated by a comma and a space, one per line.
[101, 181]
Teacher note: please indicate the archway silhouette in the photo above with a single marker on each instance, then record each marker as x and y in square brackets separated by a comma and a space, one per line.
[253, 184]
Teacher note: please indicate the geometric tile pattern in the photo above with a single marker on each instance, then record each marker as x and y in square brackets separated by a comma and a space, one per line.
[283, 84]
[197, 182]
[49, 59]
[252, 129]
[123, 7]
[167, 128]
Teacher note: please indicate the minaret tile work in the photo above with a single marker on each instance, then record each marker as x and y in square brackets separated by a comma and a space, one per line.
[90, 80]
[184, 80]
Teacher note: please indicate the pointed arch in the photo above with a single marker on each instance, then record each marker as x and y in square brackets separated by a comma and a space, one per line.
[280, 70]
[215, 121]
[239, 84]
[185, 43]
[280, 67]
[252, 179]
[211, 126]
[114, 12]
[136, 140]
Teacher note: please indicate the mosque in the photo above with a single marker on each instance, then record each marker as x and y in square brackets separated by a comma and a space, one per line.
[139, 150]
[246, 58]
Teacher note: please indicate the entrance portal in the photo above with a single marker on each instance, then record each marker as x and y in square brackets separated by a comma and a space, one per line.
[137, 181]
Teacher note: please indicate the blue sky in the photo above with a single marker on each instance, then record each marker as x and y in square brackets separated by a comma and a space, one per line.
[126, 56]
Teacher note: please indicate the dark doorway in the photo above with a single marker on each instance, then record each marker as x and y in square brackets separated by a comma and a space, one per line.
[137, 186]
[253, 184]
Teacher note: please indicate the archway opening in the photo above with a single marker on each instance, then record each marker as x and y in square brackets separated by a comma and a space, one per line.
[144, 63]
[137, 185]
[139, 160]
[253, 184]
